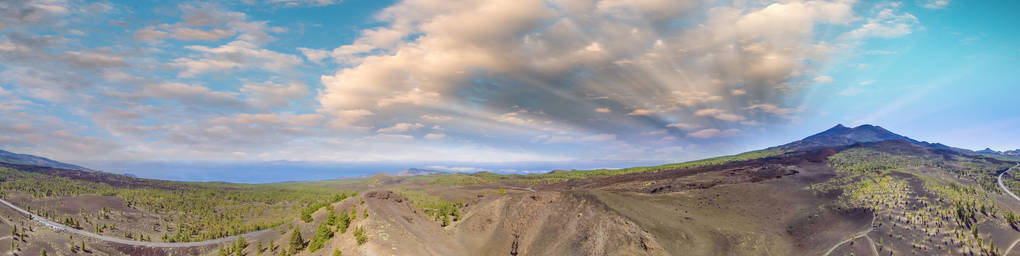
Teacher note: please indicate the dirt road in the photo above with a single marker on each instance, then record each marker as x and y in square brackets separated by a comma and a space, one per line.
[854, 237]
[60, 228]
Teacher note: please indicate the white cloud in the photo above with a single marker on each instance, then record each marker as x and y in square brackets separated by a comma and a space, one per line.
[691, 98]
[640, 112]
[346, 119]
[473, 61]
[714, 133]
[435, 118]
[183, 33]
[492, 73]
[208, 22]
[657, 132]
[719, 114]
[560, 139]
[454, 169]
[824, 79]
[435, 136]
[236, 55]
[185, 93]
[413, 97]
[314, 55]
[270, 95]
[425, 47]
[887, 23]
[400, 127]
[683, 126]
[303, 3]
[773, 109]
[93, 59]
[934, 4]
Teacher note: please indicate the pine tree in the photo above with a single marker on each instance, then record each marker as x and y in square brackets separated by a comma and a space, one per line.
[258, 248]
[296, 242]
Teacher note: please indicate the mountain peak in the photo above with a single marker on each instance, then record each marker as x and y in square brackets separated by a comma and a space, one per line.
[840, 135]
[988, 151]
[837, 128]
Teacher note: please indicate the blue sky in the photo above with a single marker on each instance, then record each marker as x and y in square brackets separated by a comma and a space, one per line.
[137, 86]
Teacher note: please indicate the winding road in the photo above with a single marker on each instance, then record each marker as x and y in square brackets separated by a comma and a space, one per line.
[520, 188]
[1003, 187]
[61, 227]
[855, 237]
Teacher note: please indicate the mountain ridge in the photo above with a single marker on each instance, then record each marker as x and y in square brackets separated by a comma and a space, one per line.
[840, 135]
[26, 159]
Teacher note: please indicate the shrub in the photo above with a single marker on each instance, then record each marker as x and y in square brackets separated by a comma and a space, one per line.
[322, 234]
[359, 234]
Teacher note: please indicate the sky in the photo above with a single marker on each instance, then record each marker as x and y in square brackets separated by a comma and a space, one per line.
[326, 88]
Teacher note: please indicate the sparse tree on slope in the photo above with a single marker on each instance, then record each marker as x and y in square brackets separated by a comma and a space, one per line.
[296, 242]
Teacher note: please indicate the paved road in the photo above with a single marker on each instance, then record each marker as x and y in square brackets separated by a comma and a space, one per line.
[874, 250]
[60, 227]
[1006, 252]
[1003, 186]
[520, 188]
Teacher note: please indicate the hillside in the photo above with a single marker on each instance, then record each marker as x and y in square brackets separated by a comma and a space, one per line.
[844, 191]
[25, 159]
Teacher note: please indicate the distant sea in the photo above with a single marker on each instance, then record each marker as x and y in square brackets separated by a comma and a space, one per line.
[280, 171]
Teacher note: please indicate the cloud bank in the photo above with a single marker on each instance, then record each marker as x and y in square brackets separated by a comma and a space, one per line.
[483, 81]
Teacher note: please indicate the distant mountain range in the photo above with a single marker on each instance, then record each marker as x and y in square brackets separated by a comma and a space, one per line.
[836, 136]
[1015, 152]
[25, 159]
[416, 172]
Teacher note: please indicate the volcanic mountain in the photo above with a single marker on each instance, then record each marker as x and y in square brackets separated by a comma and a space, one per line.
[843, 136]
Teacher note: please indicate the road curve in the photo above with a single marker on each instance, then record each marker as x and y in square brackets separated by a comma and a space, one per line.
[874, 248]
[858, 235]
[1003, 186]
[61, 227]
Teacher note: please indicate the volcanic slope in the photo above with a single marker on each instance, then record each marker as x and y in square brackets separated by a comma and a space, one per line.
[892, 196]
[858, 191]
